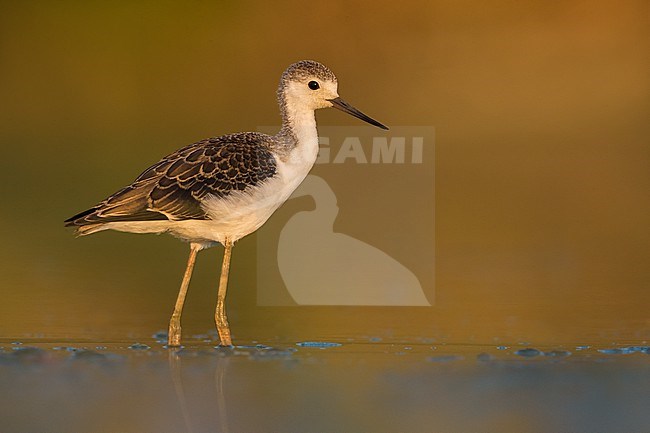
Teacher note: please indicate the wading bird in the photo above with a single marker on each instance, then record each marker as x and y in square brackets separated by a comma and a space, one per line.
[220, 189]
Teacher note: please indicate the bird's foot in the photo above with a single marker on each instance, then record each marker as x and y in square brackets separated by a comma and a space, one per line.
[174, 335]
[224, 336]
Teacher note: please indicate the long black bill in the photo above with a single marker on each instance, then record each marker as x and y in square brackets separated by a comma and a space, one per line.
[344, 106]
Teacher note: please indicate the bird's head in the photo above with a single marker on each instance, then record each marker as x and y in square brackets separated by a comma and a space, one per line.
[309, 85]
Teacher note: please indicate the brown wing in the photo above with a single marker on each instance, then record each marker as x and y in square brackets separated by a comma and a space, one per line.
[172, 189]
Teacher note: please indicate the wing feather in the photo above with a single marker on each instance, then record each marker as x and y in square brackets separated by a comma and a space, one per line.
[174, 187]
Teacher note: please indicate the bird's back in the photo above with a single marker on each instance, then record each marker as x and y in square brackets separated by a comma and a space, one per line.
[175, 188]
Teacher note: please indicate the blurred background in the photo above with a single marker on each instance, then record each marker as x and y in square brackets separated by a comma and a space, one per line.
[542, 159]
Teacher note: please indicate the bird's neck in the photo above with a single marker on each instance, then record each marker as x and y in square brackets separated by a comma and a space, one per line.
[298, 136]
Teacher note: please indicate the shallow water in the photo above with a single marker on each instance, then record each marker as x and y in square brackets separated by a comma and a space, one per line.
[319, 386]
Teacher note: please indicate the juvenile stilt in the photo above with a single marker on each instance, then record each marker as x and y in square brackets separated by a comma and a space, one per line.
[220, 189]
[174, 334]
[220, 314]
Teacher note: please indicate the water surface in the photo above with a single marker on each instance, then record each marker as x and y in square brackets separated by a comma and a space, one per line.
[321, 387]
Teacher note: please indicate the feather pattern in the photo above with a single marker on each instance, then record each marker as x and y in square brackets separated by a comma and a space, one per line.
[173, 188]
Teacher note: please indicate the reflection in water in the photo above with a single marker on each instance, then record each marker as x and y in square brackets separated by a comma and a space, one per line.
[379, 388]
[219, 376]
[175, 369]
[321, 267]
[175, 362]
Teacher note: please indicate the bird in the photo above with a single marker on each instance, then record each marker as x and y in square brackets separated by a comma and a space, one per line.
[220, 189]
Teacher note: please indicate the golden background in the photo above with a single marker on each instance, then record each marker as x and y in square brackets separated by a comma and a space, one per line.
[542, 158]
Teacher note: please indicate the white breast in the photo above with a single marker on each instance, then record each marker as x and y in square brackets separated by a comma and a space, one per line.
[243, 212]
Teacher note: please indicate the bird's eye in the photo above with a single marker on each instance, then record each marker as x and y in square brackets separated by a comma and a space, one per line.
[313, 85]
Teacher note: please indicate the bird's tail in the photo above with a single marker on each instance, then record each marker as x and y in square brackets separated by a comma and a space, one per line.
[83, 224]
